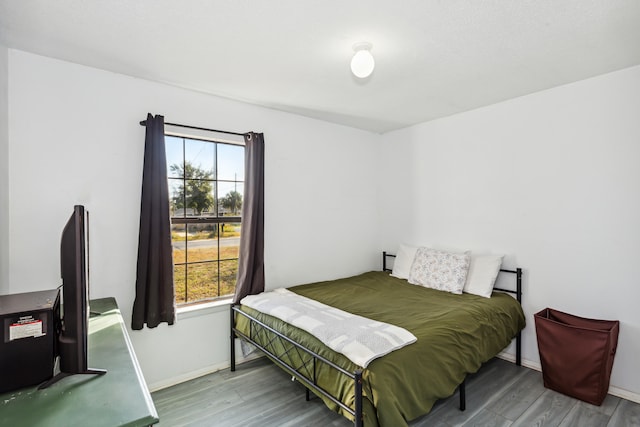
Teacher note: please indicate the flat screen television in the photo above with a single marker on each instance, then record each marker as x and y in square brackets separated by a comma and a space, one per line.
[74, 268]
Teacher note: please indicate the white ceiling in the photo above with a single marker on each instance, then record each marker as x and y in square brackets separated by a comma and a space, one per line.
[434, 58]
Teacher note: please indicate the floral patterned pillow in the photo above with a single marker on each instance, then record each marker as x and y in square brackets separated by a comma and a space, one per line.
[441, 270]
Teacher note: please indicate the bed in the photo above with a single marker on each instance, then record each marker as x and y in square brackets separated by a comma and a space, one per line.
[455, 334]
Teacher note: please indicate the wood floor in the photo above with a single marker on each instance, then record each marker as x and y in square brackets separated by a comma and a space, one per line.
[500, 394]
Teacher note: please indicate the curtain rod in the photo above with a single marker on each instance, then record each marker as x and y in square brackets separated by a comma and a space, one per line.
[144, 123]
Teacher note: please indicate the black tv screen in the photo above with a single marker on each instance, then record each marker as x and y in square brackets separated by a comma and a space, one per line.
[75, 297]
[74, 269]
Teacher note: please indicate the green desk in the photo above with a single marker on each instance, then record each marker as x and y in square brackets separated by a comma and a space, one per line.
[118, 398]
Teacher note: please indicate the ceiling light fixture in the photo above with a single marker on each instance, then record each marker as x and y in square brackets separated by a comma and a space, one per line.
[362, 63]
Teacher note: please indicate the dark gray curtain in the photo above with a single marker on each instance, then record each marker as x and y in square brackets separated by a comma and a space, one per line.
[155, 302]
[251, 262]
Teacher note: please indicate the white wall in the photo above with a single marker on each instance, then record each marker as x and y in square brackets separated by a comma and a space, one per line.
[4, 171]
[74, 138]
[552, 180]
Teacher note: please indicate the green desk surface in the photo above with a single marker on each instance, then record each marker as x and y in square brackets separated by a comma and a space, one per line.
[118, 398]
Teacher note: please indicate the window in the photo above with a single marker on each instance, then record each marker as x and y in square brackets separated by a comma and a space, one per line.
[206, 187]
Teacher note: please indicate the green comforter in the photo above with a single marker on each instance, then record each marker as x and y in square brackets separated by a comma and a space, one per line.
[456, 334]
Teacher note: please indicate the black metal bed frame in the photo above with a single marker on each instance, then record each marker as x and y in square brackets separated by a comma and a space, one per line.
[305, 370]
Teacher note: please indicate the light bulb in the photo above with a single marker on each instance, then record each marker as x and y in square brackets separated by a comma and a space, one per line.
[362, 63]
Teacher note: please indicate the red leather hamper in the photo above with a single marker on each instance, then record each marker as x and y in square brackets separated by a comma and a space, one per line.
[576, 353]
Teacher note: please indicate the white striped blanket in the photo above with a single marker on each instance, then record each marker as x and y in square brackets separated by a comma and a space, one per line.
[360, 339]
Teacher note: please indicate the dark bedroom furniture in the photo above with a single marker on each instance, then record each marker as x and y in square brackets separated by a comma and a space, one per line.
[576, 353]
[456, 334]
[118, 398]
[28, 338]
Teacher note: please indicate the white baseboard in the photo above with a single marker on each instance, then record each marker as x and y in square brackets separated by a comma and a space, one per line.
[186, 377]
[526, 363]
[614, 391]
[200, 372]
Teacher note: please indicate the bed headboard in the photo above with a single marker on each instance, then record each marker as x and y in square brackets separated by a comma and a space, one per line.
[518, 272]
[384, 261]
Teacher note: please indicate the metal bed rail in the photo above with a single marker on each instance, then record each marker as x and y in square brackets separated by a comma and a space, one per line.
[308, 378]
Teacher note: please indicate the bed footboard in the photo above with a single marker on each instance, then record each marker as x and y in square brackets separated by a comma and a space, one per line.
[305, 371]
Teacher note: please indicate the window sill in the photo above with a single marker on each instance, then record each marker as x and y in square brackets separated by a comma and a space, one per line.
[203, 309]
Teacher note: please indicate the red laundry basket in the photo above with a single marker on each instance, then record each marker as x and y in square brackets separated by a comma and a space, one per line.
[576, 353]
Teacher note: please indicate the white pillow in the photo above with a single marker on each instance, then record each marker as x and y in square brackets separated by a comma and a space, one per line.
[483, 272]
[403, 261]
[441, 270]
